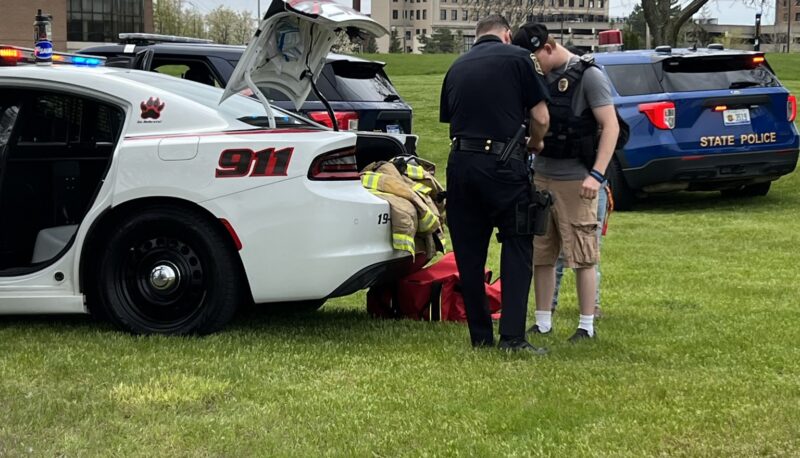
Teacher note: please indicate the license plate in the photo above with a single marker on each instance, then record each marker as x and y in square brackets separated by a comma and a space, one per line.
[736, 117]
[394, 129]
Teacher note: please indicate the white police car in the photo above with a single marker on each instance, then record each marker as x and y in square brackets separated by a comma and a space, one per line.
[162, 204]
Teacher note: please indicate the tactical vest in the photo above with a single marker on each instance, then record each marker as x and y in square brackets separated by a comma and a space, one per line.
[571, 136]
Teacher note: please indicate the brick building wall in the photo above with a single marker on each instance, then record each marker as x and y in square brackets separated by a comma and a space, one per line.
[18, 17]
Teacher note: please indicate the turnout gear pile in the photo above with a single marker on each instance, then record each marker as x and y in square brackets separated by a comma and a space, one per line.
[570, 135]
[416, 200]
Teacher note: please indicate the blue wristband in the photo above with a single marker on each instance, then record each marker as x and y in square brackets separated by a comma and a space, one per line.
[594, 173]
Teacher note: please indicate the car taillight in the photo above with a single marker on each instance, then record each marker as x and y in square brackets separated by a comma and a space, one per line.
[791, 108]
[347, 120]
[660, 114]
[336, 165]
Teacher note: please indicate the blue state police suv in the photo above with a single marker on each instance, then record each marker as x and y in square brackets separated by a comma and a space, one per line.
[700, 120]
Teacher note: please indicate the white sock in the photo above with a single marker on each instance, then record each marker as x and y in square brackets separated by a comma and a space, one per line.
[587, 322]
[544, 319]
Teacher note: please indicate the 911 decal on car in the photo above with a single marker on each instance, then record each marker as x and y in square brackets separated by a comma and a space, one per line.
[234, 163]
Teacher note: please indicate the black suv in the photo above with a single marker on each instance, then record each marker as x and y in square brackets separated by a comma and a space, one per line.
[359, 91]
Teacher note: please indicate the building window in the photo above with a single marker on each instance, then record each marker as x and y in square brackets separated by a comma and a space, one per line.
[464, 16]
[455, 1]
[582, 3]
[417, 32]
[602, 4]
[408, 34]
[469, 40]
[796, 17]
[424, 14]
[453, 15]
[591, 3]
[571, 3]
[103, 20]
[418, 15]
[424, 31]
[405, 14]
[395, 14]
[442, 15]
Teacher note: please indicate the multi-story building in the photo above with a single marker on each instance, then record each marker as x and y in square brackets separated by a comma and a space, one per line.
[76, 23]
[576, 22]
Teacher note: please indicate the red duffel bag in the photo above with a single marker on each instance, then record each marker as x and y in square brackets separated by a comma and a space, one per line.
[432, 294]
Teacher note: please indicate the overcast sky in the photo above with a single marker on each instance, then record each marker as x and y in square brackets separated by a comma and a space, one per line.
[727, 11]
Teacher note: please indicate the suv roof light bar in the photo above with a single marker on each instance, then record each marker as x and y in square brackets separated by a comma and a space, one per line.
[14, 55]
[150, 38]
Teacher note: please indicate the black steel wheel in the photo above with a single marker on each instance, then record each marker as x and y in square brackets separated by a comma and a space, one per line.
[169, 270]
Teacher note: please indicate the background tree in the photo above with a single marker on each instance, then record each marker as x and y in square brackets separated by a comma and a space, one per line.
[441, 41]
[394, 43]
[244, 28]
[168, 16]
[194, 23]
[222, 25]
[666, 17]
[635, 29]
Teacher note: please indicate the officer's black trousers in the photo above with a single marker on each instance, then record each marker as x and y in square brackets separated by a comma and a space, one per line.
[482, 195]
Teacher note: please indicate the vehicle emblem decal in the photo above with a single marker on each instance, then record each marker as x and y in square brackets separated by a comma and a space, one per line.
[563, 85]
[152, 108]
[536, 64]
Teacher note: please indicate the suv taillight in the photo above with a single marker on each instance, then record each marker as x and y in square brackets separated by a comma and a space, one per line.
[347, 120]
[336, 165]
[660, 114]
[791, 108]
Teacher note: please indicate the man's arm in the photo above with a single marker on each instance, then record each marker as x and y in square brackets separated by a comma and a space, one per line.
[444, 104]
[540, 122]
[606, 117]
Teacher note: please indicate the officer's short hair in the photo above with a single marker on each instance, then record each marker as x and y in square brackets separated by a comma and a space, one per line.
[491, 22]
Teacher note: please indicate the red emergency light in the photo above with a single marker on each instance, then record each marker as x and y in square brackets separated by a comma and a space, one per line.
[610, 37]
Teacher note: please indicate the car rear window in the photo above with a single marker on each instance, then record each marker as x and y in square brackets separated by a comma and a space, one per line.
[715, 73]
[363, 82]
[634, 79]
[691, 74]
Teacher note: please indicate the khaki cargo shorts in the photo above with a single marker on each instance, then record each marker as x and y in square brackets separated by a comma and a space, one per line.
[572, 228]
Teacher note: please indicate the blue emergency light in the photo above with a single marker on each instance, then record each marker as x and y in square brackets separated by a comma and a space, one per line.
[13, 55]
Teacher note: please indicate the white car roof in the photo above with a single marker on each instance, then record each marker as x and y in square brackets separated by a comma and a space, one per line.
[186, 106]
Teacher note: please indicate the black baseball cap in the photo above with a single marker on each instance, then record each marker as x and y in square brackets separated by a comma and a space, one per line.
[531, 36]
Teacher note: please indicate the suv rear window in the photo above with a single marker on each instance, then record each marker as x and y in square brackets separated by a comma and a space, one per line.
[691, 74]
[715, 73]
[634, 79]
[363, 82]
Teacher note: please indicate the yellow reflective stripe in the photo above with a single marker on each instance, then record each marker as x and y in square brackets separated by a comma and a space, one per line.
[415, 172]
[403, 242]
[370, 180]
[421, 188]
[427, 222]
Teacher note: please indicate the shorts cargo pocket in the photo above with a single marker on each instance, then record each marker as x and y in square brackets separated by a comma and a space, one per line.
[585, 250]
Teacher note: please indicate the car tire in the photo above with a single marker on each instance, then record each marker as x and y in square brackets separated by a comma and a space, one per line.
[751, 190]
[624, 197]
[168, 270]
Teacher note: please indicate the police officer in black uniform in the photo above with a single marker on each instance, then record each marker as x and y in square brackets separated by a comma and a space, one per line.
[486, 96]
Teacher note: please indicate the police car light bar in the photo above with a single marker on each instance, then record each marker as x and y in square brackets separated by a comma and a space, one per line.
[13, 55]
[144, 38]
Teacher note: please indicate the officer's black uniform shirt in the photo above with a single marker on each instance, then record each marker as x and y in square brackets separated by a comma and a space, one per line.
[489, 91]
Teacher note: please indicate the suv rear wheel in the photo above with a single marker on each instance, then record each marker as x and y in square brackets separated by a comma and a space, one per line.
[168, 270]
[751, 190]
[624, 197]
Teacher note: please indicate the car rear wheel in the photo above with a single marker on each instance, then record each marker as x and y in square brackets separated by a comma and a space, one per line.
[168, 270]
[751, 190]
[624, 196]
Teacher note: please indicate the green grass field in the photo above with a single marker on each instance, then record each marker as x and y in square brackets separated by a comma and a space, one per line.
[697, 355]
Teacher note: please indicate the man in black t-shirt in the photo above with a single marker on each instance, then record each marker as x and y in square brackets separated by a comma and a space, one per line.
[486, 97]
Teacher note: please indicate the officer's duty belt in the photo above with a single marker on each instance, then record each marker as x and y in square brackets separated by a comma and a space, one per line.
[481, 145]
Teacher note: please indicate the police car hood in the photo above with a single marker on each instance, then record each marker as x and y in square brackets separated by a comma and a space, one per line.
[290, 46]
